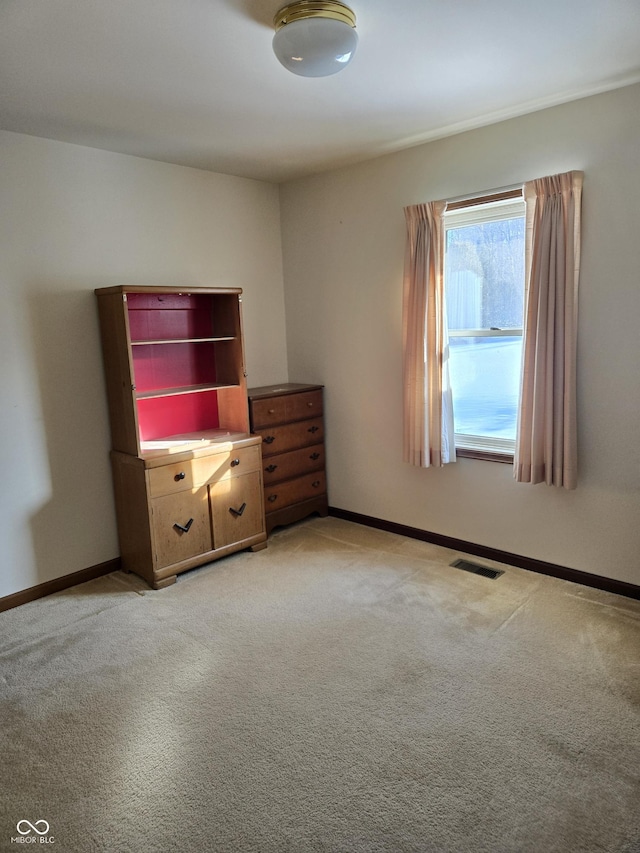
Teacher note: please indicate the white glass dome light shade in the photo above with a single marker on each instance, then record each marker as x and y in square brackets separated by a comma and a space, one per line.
[315, 46]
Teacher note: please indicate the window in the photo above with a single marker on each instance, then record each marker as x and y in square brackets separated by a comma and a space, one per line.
[484, 292]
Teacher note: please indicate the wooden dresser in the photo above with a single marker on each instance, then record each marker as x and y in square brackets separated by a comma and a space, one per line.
[289, 418]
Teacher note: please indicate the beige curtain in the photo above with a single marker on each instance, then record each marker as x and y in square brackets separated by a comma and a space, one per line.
[546, 442]
[428, 407]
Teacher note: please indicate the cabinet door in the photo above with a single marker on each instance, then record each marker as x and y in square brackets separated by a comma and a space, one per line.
[236, 509]
[181, 526]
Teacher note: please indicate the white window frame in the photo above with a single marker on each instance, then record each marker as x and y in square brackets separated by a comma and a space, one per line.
[476, 214]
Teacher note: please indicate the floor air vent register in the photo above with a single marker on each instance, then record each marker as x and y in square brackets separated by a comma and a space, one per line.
[477, 569]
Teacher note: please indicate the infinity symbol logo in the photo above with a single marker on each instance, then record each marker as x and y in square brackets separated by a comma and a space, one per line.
[33, 827]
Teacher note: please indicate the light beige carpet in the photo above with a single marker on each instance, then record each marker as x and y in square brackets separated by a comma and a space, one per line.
[342, 690]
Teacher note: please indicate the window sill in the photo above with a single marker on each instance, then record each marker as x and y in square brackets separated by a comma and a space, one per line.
[486, 455]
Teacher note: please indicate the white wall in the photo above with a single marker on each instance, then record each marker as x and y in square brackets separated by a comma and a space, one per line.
[74, 219]
[343, 244]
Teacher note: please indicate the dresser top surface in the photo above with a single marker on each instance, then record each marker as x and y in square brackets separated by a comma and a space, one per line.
[280, 390]
[182, 291]
[166, 451]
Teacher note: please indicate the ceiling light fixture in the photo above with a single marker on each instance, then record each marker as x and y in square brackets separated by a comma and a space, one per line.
[315, 38]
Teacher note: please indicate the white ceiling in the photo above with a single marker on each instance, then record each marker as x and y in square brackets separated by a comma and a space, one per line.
[195, 81]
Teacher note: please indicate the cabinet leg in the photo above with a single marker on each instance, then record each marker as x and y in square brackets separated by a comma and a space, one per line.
[164, 582]
[259, 546]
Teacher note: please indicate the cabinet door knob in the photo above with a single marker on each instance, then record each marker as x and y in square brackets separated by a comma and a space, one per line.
[272, 411]
[269, 439]
[238, 511]
[313, 429]
[235, 462]
[310, 405]
[272, 498]
[314, 456]
[315, 484]
[180, 476]
[184, 528]
[271, 468]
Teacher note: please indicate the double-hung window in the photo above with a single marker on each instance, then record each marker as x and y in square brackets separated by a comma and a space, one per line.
[484, 294]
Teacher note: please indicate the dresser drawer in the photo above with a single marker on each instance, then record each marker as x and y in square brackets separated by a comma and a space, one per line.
[293, 464]
[280, 439]
[305, 405]
[180, 476]
[288, 407]
[168, 479]
[279, 495]
[243, 460]
[264, 413]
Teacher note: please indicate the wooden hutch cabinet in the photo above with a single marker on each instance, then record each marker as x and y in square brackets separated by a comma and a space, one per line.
[187, 474]
[289, 418]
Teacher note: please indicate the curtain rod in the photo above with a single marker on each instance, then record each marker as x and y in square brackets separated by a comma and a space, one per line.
[497, 194]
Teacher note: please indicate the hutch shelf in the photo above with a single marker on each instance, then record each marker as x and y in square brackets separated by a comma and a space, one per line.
[187, 474]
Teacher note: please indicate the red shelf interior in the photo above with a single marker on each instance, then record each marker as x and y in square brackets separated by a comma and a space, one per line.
[172, 365]
[160, 417]
[173, 316]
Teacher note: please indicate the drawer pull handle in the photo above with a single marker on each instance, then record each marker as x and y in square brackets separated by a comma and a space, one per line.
[310, 405]
[272, 498]
[269, 439]
[313, 429]
[272, 411]
[235, 462]
[314, 456]
[315, 484]
[239, 511]
[184, 528]
[271, 468]
[180, 476]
